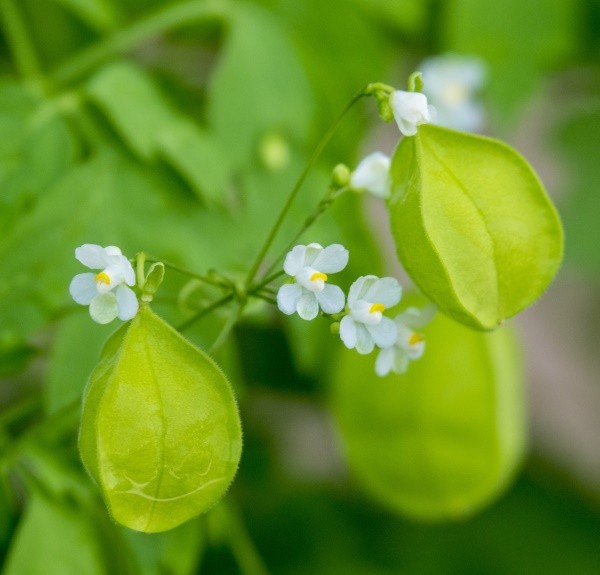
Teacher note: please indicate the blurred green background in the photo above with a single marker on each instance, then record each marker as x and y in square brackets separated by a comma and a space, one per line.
[178, 128]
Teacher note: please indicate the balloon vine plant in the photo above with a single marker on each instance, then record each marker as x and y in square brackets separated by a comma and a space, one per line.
[160, 432]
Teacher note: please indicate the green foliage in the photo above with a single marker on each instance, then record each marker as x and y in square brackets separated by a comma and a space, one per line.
[178, 128]
[442, 440]
[252, 93]
[577, 140]
[72, 359]
[473, 225]
[174, 455]
[63, 538]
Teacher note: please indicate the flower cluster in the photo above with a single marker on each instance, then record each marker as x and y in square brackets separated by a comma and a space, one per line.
[363, 325]
[106, 292]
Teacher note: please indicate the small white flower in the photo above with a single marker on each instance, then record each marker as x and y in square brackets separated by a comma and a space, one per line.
[409, 344]
[453, 83]
[309, 266]
[106, 292]
[410, 110]
[365, 326]
[372, 175]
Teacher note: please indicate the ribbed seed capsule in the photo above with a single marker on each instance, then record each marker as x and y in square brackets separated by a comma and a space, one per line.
[160, 431]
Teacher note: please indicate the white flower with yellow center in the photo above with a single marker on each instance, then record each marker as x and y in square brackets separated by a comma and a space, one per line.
[309, 266]
[365, 325]
[372, 175]
[410, 110]
[409, 344]
[105, 292]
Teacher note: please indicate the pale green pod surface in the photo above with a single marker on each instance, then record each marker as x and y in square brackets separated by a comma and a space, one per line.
[443, 439]
[473, 225]
[160, 429]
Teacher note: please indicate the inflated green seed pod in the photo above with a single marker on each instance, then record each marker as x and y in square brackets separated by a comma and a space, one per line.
[473, 225]
[443, 439]
[160, 431]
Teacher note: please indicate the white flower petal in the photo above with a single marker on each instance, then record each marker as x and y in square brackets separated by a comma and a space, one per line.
[416, 350]
[384, 361]
[358, 288]
[103, 308]
[83, 288]
[348, 332]
[287, 298]
[294, 260]
[410, 109]
[372, 175]
[364, 341]
[127, 303]
[312, 252]
[112, 251]
[400, 361]
[331, 299]
[332, 259]
[384, 333]
[307, 306]
[92, 256]
[385, 290]
[126, 271]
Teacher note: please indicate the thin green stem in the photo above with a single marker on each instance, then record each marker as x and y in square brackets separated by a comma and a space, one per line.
[293, 194]
[183, 271]
[242, 547]
[160, 22]
[236, 312]
[19, 38]
[205, 311]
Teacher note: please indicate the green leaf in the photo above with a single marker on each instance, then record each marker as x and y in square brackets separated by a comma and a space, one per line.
[194, 154]
[444, 439]
[98, 13]
[72, 359]
[152, 128]
[175, 552]
[576, 141]
[133, 103]
[473, 225]
[160, 431]
[252, 92]
[54, 539]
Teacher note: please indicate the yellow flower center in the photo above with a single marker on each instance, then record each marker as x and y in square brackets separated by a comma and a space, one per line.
[376, 307]
[416, 338]
[102, 278]
[318, 276]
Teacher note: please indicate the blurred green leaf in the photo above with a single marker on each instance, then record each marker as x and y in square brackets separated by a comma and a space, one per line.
[99, 14]
[14, 359]
[136, 107]
[151, 127]
[521, 40]
[176, 552]
[407, 16]
[577, 141]
[54, 539]
[72, 359]
[252, 92]
[444, 439]
[194, 154]
[473, 225]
